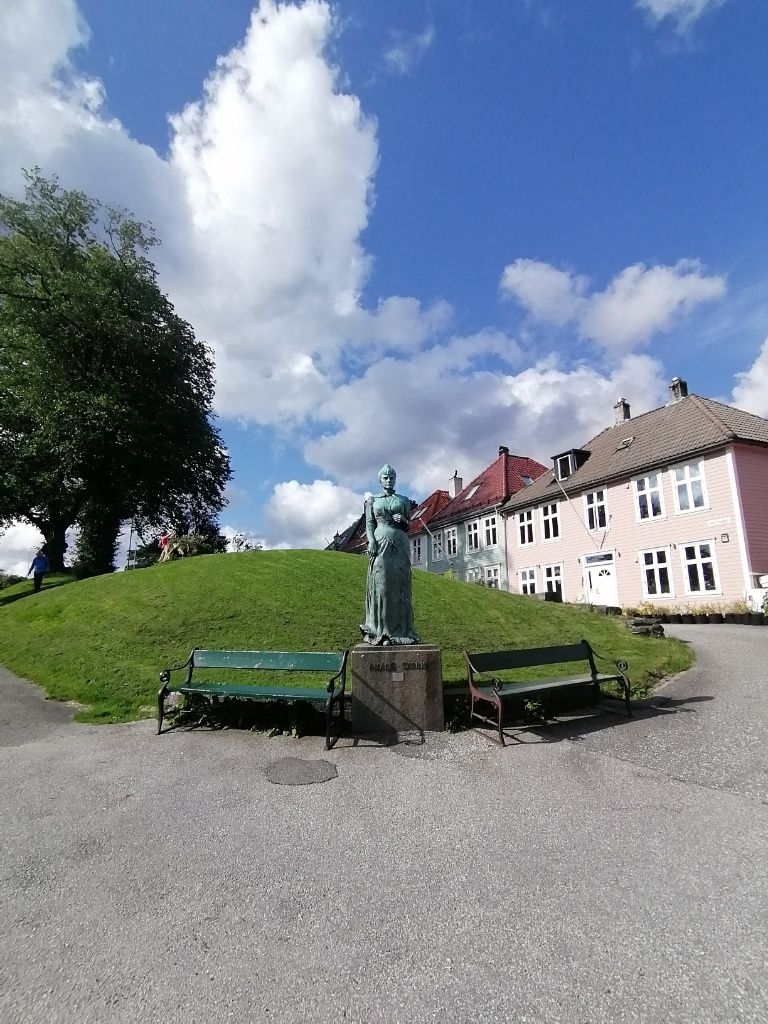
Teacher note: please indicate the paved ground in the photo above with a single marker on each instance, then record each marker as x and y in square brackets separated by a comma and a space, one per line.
[609, 871]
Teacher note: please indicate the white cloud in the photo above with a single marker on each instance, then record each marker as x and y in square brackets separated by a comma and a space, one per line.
[308, 515]
[18, 544]
[638, 303]
[684, 13]
[260, 204]
[467, 412]
[751, 390]
[406, 49]
[551, 295]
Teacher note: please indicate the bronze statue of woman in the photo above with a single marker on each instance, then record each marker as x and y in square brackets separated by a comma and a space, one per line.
[388, 604]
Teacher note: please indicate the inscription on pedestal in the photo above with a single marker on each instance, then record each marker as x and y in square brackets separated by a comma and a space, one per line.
[397, 691]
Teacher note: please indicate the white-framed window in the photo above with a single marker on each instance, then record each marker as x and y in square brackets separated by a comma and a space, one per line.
[594, 505]
[451, 541]
[657, 573]
[474, 575]
[648, 499]
[688, 487]
[699, 567]
[489, 526]
[492, 576]
[527, 579]
[553, 578]
[550, 522]
[415, 550]
[471, 492]
[473, 536]
[525, 526]
[438, 554]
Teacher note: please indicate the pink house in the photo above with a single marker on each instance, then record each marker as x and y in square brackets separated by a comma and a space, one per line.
[670, 507]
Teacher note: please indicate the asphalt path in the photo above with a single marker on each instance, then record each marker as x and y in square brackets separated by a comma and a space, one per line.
[603, 870]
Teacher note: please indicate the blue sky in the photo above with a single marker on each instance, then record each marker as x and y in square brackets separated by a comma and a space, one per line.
[414, 231]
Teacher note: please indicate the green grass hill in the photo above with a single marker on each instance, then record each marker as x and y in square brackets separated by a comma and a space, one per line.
[102, 642]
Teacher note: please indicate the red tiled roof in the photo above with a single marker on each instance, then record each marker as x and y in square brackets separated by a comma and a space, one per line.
[428, 508]
[683, 429]
[494, 485]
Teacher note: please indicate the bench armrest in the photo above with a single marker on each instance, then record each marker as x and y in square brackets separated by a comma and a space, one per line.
[341, 674]
[165, 675]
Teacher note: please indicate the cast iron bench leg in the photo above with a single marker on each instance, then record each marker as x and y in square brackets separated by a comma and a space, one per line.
[160, 708]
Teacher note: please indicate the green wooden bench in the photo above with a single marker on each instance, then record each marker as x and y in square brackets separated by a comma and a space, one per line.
[491, 690]
[334, 662]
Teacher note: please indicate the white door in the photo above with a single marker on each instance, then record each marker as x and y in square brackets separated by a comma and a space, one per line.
[600, 580]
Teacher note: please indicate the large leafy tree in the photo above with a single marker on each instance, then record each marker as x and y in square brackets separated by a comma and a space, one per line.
[105, 392]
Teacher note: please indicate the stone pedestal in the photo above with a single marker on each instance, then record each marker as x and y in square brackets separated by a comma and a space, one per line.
[397, 691]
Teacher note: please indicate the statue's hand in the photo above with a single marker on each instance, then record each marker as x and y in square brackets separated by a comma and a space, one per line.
[373, 550]
[398, 518]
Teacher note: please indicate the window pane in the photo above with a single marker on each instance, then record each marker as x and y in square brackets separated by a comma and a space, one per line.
[664, 587]
[661, 557]
[682, 498]
[601, 515]
[643, 504]
[698, 494]
[648, 558]
[709, 575]
[693, 578]
[680, 474]
[650, 578]
[705, 551]
[656, 503]
[690, 552]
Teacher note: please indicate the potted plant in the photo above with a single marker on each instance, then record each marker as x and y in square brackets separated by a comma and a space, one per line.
[700, 613]
[676, 613]
[715, 613]
[688, 615]
[737, 611]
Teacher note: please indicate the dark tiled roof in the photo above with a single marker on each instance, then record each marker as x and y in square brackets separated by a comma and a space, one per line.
[688, 427]
[352, 539]
[493, 486]
[429, 508]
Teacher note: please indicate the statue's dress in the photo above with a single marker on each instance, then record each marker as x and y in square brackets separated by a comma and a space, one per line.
[388, 604]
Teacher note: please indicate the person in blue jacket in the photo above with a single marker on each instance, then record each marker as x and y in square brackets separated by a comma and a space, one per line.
[39, 568]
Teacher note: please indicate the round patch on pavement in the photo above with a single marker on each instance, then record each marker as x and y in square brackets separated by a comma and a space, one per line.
[295, 771]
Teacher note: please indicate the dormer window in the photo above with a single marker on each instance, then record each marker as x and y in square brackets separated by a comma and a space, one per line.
[564, 466]
[470, 493]
[569, 462]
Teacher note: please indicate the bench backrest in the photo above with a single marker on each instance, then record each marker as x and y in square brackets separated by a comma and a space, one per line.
[525, 657]
[276, 661]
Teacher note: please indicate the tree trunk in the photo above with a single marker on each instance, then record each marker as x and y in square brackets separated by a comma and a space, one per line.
[96, 545]
[55, 544]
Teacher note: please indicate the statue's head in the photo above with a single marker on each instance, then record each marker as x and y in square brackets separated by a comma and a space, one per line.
[387, 476]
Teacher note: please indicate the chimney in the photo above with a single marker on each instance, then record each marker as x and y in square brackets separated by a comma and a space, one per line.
[455, 484]
[503, 450]
[620, 412]
[678, 389]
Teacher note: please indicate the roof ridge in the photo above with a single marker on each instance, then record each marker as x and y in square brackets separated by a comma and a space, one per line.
[702, 403]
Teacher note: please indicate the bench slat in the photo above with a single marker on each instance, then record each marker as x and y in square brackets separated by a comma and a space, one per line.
[256, 692]
[517, 689]
[276, 661]
[493, 661]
